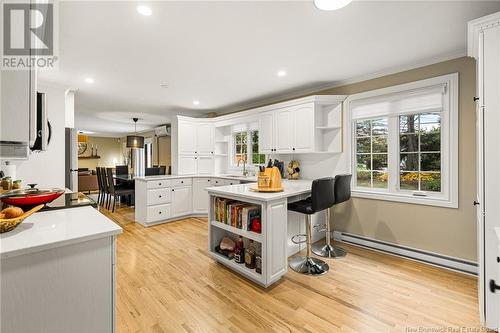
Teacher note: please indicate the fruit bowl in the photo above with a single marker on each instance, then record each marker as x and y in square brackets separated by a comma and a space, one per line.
[10, 224]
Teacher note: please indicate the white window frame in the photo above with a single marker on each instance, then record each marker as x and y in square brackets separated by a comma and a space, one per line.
[232, 152]
[448, 197]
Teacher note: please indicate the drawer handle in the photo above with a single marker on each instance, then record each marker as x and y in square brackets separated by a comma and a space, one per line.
[159, 212]
[159, 196]
[159, 184]
[182, 182]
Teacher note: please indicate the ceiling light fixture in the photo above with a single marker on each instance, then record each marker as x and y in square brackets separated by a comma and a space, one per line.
[89, 80]
[331, 4]
[144, 10]
[196, 102]
[281, 73]
[135, 141]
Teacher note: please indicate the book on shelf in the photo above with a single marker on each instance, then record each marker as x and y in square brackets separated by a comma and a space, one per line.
[235, 213]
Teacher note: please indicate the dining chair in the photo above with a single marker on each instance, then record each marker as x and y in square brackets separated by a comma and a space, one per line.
[116, 191]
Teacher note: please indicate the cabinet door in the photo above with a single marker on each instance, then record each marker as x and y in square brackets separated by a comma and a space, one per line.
[266, 130]
[283, 131]
[303, 129]
[205, 165]
[181, 201]
[15, 106]
[205, 139]
[187, 137]
[187, 165]
[276, 228]
[200, 195]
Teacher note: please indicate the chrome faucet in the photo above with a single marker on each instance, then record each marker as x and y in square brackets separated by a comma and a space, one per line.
[244, 159]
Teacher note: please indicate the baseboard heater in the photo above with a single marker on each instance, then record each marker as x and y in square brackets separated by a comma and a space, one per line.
[455, 264]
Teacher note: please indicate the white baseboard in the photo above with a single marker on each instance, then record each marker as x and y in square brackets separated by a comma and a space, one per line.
[431, 258]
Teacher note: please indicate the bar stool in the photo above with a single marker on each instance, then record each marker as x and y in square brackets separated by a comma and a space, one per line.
[342, 193]
[322, 197]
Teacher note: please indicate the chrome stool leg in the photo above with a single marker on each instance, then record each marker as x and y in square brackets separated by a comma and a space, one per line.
[328, 250]
[308, 265]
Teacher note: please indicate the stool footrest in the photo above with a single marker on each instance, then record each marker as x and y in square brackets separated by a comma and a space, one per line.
[297, 239]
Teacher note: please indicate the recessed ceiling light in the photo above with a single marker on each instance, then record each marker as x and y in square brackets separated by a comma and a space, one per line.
[144, 10]
[331, 4]
[89, 80]
[281, 73]
[196, 102]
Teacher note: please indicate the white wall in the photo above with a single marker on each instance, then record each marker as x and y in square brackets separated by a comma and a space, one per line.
[47, 168]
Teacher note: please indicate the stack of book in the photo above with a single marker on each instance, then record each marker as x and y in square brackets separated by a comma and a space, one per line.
[236, 213]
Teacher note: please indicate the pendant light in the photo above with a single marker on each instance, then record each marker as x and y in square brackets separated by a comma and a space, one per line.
[331, 4]
[135, 141]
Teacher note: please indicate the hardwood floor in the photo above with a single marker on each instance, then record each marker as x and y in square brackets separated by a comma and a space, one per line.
[167, 283]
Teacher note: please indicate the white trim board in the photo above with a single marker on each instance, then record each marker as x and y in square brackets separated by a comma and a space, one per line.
[427, 257]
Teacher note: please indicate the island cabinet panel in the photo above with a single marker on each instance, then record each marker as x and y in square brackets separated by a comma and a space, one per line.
[64, 289]
[276, 240]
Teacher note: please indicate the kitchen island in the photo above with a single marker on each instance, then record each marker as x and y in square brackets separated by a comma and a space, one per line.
[277, 225]
[58, 273]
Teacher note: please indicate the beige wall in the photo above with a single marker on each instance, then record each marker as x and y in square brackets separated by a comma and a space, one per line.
[164, 151]
[110, 150]
[442, 230]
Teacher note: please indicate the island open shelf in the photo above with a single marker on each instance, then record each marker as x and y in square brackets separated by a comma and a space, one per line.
[271, 240]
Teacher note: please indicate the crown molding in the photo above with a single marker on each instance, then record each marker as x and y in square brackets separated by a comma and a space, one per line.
[474, 27]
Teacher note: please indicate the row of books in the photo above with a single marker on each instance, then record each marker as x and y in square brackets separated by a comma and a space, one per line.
[236, 213]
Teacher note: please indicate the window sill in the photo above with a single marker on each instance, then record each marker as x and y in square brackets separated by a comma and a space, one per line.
[405, 198]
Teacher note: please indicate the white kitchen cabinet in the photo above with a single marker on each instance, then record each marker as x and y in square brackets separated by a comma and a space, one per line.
[187, 137]
[283, 130]
[200, 195]
[205, 139]
[205, 165]
[181, 201]
[188, 165]
[302, 135]
[266, 132]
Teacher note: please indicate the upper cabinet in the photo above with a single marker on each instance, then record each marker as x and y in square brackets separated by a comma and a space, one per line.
[205, 139]
[313, 126]
[187, 137]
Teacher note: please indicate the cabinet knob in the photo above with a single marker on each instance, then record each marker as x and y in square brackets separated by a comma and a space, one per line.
[159, 184]
[172, 190]
[159, 212]
[293, 149]
[159, 196]
[196, 152]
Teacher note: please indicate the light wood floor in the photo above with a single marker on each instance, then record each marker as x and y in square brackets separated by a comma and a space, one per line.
[167, 283]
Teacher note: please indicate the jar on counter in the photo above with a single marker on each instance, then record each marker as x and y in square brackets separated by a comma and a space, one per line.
[17, 184]
[7, 183]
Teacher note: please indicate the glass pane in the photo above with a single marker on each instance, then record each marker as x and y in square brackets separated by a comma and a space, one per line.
[255, 137]
[363, 128]
[430, 162]
[379, 144]
[429, 118]
[255, 158]
[238, 157]
[363, 145]
[380, 179]
[408, 124]
[408, 181]
[379, 126]
[430, 181]
[379, 162]
[364, 162]
[255, 148]
[244, 137]
[408, 162]
[363, 178]
[238, 148]
[237, 138]
[408, 143]
[262, 159]
[430, 138]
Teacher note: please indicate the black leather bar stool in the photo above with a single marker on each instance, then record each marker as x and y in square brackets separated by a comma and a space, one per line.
[322, 197]
[342, 193]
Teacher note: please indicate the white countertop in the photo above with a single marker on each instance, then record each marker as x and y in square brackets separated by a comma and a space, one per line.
[50, 229]
[223, 176]
[291, 188]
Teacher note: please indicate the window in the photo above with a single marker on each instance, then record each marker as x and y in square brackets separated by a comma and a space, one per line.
[405, 142]
[246, 146]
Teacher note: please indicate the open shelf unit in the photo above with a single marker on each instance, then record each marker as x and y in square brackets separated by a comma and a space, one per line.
[328, 127]
[246, 234]
[222, 140]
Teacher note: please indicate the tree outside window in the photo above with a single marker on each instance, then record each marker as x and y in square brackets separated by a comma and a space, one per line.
[246, 146]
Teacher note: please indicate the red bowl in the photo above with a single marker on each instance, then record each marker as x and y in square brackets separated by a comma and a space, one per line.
[32, 199]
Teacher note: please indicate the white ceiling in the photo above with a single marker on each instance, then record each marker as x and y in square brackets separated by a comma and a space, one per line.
[227, 54]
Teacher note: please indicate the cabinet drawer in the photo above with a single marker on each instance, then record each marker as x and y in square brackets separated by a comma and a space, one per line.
[216, 182]
[231, 182]
[158, 196]
[158, 213]
[181, 182]
[158, 183]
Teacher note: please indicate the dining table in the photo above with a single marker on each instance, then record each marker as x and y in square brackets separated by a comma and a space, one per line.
[128, 181]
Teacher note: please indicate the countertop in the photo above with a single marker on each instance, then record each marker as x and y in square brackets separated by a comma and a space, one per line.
[51, 229]
[291, 188]
[223, 176]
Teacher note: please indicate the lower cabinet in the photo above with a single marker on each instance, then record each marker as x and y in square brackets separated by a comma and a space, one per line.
[181, 201]
[159, 212]
[200, 195]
